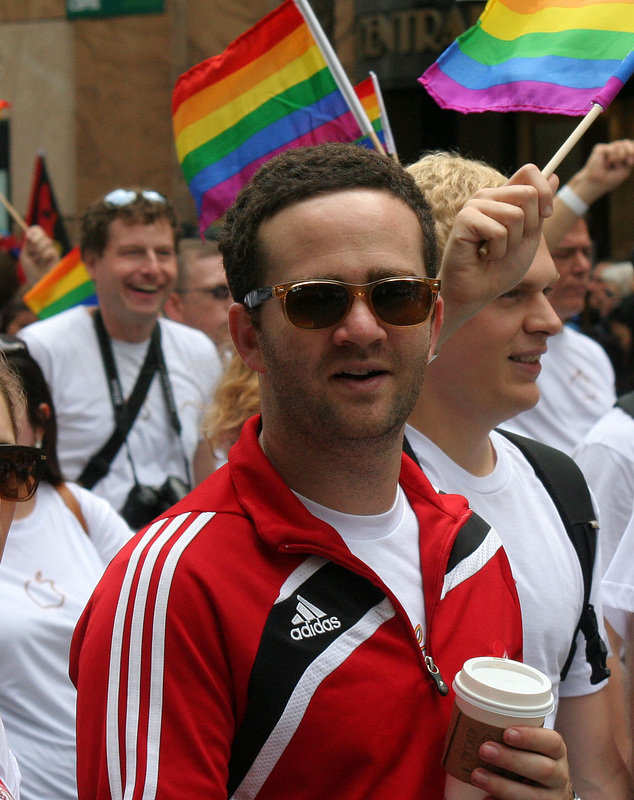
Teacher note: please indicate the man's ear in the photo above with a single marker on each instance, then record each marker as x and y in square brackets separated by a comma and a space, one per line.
[173, 307]
[436, 325]
[245, 338]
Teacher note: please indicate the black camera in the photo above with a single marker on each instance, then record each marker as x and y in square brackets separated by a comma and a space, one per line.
[144, 503]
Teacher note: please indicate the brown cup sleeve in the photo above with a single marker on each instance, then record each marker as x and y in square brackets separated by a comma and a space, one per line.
[464, 737]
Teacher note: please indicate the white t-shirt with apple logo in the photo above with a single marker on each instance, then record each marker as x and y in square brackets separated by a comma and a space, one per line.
[49, 569]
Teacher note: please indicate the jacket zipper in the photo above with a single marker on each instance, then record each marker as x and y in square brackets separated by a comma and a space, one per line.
[435, 675]
[432, 667]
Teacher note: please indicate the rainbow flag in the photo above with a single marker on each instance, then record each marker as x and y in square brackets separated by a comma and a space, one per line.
[269, 91]
[548, 56]
[366, 92]
[66, 285]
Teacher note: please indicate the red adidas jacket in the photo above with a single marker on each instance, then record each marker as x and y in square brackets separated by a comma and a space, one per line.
[238, 649]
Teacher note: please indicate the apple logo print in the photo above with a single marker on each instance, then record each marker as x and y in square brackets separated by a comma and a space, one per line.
[43, 593]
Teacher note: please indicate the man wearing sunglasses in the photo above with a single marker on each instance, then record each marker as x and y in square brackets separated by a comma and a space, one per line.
[201, 298]
[291, 629]
[95, 363]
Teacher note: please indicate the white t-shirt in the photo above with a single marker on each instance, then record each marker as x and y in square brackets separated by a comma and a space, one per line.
[577, 388]
[618, 583]
[9, 770]
[606, 457]
[389, 544]
[543, 560]
[49, 570]
[66, 348]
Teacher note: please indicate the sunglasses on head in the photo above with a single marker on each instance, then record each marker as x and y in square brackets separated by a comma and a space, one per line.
[220, 292]
[11, 345]
[316, 304]
[124, 197]
[20, 471]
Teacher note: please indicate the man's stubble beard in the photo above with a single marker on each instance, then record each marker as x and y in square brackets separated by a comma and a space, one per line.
[323, 423]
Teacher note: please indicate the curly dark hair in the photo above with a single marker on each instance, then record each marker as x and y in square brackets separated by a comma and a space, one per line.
[96, 220]
[299, 174]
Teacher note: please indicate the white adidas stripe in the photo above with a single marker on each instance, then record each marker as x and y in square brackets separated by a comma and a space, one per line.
[299, 576]
[134, 691]
[326, 663]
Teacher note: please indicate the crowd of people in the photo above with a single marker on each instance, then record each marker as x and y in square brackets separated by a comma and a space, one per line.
[290, 480]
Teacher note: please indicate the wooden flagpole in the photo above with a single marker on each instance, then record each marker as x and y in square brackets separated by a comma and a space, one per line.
[13, 212]
[572, 140]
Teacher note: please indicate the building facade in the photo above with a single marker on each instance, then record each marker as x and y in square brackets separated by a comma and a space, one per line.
[90, 84]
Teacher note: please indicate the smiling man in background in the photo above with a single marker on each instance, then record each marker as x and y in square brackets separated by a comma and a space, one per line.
[126, 362]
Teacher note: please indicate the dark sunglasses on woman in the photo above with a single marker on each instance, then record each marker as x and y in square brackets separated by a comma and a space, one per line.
[20, 471]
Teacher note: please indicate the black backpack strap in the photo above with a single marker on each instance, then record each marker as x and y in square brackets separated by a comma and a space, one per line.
[626, 403]
[564, 482]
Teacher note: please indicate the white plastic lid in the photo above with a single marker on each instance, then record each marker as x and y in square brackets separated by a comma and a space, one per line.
[504, 686]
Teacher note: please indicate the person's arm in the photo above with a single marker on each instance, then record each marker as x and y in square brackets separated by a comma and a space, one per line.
[597, 769]
[538, 754]
[38, 253]
[617, 693]
[629, 667]
[492, 244]
[606, 168]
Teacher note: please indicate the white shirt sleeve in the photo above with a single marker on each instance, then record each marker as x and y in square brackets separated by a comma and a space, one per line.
[618, 583]
[108, 531]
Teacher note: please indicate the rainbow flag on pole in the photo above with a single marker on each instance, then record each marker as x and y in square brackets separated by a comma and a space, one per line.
[549, 56]
[269, 91]
[66, 285]
[369, 100]
[368, 93]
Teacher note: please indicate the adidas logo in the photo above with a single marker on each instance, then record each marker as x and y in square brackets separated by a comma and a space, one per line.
[311, 621]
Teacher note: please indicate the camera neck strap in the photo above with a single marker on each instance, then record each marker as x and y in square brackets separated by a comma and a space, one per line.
[125, 413]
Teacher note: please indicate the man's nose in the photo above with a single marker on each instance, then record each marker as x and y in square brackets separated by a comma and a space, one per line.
[360, 325]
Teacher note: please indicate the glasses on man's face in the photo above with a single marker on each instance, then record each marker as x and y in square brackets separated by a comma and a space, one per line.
[124, 197]
[566, 253]
[20, 471]
[220, 292]
[317, 304]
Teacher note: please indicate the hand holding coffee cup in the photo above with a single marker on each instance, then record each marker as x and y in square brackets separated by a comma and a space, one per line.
[492, 694]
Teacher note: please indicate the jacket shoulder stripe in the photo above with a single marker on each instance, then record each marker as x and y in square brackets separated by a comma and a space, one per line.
[135, 692]
[472, 561]
[469, 538]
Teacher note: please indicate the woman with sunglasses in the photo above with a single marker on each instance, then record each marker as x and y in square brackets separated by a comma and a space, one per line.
[62, 539]
[19, 476]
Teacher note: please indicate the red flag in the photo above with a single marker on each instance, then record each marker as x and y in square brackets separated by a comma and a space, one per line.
[43, 209]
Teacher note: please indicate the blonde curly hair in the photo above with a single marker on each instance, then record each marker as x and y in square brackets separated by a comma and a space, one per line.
[237, 398]
[448, 180]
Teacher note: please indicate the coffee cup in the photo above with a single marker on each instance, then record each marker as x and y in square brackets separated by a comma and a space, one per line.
[491, 694]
